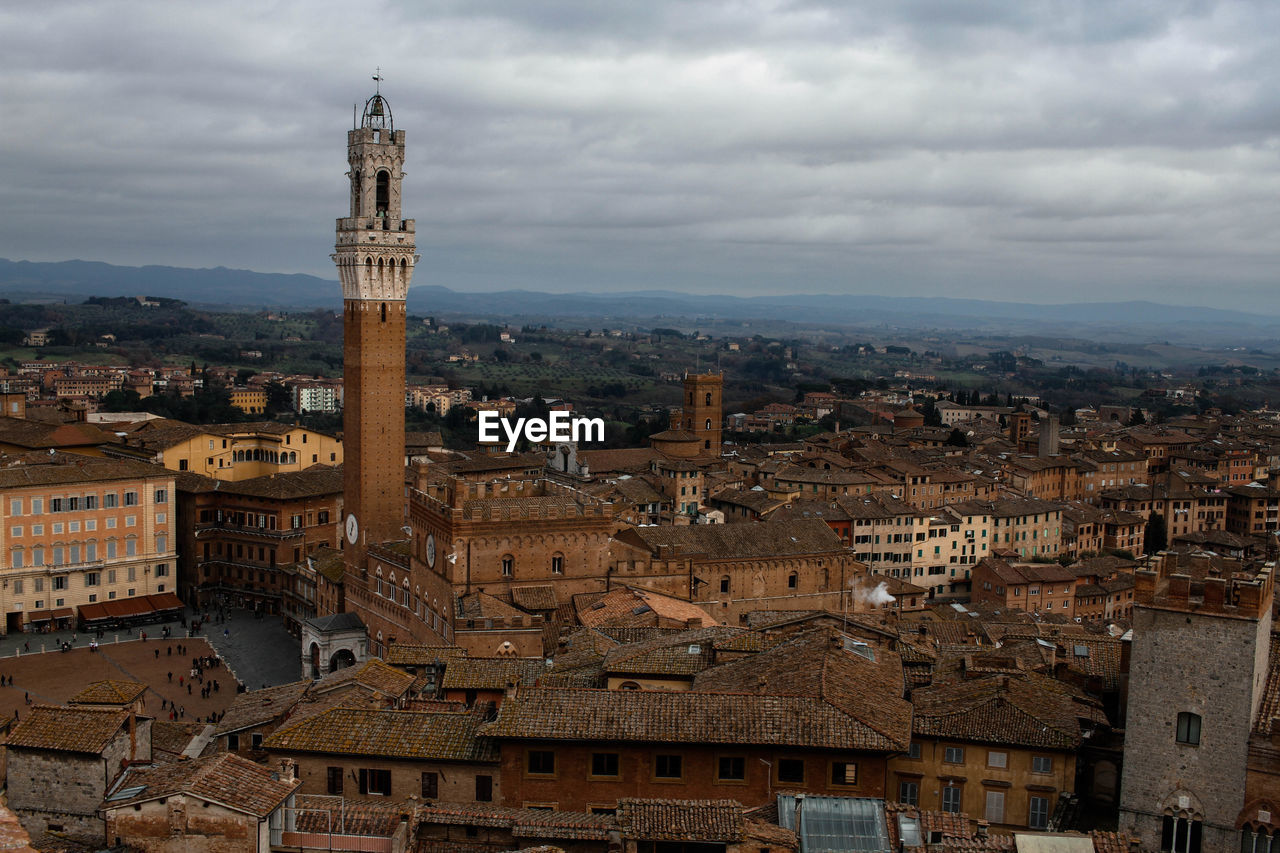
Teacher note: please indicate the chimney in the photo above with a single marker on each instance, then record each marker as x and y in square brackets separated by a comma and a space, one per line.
[288, 771]
[1144, 585]
[1215, 593]
[983, 826]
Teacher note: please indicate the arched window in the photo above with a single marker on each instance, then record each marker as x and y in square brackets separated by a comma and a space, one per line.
[557, 563]
[708, 423]
[384, 312]
[383, 201]
[1256, 840]
[508, 565]
[708, 398]
[628, 685]
[1189, 728]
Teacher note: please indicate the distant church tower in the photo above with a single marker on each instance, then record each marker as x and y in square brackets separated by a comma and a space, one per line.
[702, 413]
[375, 259]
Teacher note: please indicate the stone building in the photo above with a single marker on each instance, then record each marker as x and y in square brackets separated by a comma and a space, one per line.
[61, 760]
[227, 451]
[1199, 666]
[217, 804]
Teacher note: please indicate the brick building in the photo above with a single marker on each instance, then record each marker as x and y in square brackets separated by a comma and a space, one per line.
[1033, 587]
[243, 533]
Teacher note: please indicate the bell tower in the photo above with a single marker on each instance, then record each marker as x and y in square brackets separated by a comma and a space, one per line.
[375, 257]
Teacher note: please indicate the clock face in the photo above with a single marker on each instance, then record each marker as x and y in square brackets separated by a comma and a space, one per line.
[431, 551]
[353, 529]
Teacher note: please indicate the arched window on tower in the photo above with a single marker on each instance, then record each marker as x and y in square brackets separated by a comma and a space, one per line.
[708, 398]
[383, 201]
[384, 312]
[708, 423]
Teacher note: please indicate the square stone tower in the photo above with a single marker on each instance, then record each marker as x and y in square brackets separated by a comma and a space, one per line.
[1198, 671]
[702, 411]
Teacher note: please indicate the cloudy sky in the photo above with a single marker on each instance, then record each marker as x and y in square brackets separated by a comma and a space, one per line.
[1035, 150]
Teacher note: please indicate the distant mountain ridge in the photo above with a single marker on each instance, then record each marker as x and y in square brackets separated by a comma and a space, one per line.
[221, 286]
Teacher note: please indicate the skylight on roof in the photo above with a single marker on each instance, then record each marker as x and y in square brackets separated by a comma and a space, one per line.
[695, 649]
[860, 648]
[1082, 651]
[126, 793]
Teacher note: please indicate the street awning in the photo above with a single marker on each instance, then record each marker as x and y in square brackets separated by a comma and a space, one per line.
[64, 613]
[39, 616]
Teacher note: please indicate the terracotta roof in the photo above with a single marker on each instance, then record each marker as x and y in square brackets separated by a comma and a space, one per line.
[683, 654]
[681, 820]
[109, 693]
[225, 778]
[771, 539]
[523, 823]
[418, 654]
[541, 597]
[827, 667]
[320, 814]
[38, 435]
[468, 673]
[261, 706]
[1021, 711]
[79, 728]
[481, 605]
[314, 481]
[170, 739]
[49, 469]
[633, 606]
[408, 735]
[578, 714]
[373, 674]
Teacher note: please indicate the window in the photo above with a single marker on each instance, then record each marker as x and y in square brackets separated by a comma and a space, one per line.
[1041, 764]
[334, 779]
[430, 785]
[1038, 816]
[37, 506]
[1189, 728]
[162, 496]
[109, 500]
[668, 766]
[951, 799]
[844, 773]
[55, 504]
[375, 782]
[909, 793]
[724, 584]
[162, 570]
[92, 579]
[604, 764]
[111, 549]
[508, 565]
[256, 740]
[791, 770]
[233, 743]
[995, 806]
[130, 498]
[541, 762]
[37, 557]
[731, 768]
[997, 759]
[792, 580]
[16, 560]
[15, 506]
[913, 751]
[59, 581]
[954, 755]
[162, 543]
[557, 564]
[131, 547]
[484, 787]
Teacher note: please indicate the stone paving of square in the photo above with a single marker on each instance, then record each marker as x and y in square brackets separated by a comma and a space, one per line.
[257, 651]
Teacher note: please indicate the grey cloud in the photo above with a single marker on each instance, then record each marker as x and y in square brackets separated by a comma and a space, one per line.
[1004, 150]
